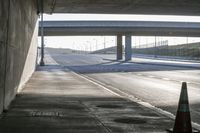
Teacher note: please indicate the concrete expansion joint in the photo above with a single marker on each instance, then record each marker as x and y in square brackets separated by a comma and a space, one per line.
[95, 116]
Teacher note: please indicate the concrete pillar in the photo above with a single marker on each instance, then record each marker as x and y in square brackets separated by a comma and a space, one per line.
[119, 47]
[128, 48]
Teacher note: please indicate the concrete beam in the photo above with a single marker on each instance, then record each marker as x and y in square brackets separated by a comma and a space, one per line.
[139, 28]
[119, 47]
[165, 7]
[128, 47]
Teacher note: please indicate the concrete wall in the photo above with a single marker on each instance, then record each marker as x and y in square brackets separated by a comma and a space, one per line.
[3, 35]
[18, 46]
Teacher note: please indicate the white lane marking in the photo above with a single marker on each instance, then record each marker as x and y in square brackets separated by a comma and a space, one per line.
[132, 98]
[166, 79]
[151, 76]
[193, 83]
[80, 75]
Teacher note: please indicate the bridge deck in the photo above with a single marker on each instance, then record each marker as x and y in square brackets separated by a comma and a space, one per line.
[144, 28]
[167, 7]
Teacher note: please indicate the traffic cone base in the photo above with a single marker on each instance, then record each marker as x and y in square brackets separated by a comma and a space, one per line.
[171, 131]
[182, 123]
[183, 120]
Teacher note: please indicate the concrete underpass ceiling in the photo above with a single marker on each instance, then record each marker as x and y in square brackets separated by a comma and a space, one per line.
[165, 7]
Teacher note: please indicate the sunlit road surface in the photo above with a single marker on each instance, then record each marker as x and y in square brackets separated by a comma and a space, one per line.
[157, 83]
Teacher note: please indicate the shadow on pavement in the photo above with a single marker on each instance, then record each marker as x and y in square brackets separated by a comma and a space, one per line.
[44, 113]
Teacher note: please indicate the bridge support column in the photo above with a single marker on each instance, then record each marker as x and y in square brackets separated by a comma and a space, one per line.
[119, 47]
[128, 48]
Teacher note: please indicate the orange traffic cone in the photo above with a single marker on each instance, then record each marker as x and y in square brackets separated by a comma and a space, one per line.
[183, 120]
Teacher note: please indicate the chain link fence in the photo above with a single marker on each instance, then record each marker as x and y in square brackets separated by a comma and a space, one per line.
[186, 51]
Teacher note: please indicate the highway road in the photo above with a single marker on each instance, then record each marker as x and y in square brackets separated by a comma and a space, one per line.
[155, 82]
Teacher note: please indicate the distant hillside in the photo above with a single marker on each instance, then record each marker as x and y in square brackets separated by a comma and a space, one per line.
[186, 50]
[63, 51]
[109, 50]
[58, 50]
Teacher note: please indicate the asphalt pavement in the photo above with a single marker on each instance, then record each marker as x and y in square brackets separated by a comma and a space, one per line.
[57, 100]
[155, 82]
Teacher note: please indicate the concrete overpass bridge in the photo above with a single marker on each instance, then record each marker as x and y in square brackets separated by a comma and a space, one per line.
[167, 7]
[119, 29]
[138, 28]
[19, 30]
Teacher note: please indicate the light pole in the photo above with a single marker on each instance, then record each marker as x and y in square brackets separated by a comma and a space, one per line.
[96, 44]
[42, 36]
[85, 48]
[187, 46]
[155, 51]
[104, 42]
[139, 42]
[146, 42]
[90, 46]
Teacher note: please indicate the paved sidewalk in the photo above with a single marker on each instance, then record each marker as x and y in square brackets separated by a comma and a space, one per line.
[56, 100]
